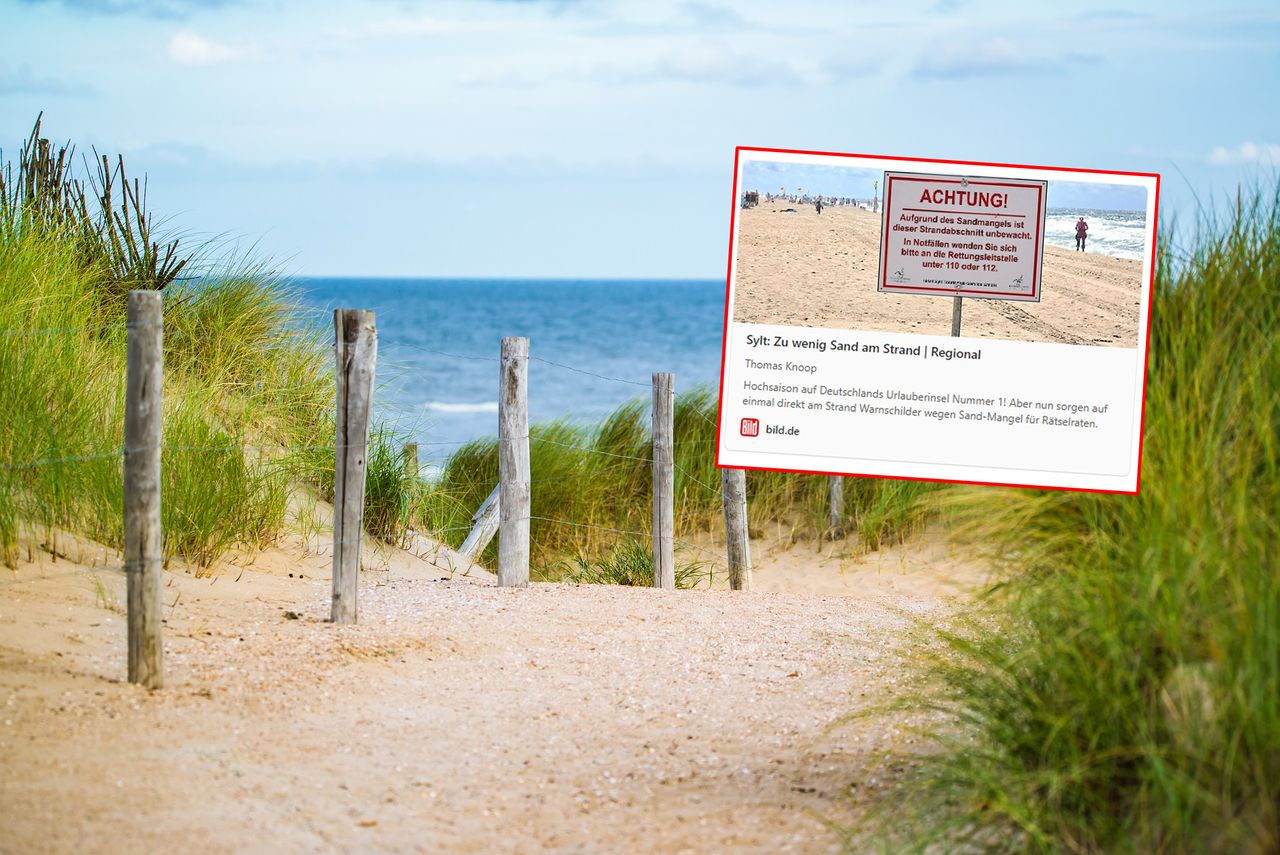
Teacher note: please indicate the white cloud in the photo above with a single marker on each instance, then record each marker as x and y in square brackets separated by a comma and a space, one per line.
[1246, 152]
[22, 81]
[713, 15]
[425, 25]
[706, 63]
[188, 47]
[149, 8]
[712, 62]
[974, 59]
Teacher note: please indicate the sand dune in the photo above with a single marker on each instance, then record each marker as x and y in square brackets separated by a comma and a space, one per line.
[808, 270]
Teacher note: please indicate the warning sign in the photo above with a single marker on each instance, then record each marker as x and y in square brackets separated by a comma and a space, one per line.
[952, 235]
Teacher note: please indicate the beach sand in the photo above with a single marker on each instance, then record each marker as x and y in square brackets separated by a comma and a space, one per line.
[805, 269]
[926, 566]
[458, 716]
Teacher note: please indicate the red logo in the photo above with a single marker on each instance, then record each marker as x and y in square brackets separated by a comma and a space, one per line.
[750, 427]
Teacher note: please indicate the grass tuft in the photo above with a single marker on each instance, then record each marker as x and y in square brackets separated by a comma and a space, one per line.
[243, 379]
[591, 488]
[1120, 691]
[249, 408]
[629, 563]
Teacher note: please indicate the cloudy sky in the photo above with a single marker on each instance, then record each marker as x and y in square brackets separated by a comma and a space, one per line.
[595, 137]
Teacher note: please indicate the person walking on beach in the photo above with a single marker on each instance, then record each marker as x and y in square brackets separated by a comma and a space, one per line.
[1082, 231]
[817, 203]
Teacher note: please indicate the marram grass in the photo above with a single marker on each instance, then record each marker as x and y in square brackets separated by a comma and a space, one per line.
[1121, 691]
[227, 406]
[248, 411]
[591, 488]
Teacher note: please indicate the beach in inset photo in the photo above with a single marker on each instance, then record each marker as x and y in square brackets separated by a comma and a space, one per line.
[801, 263]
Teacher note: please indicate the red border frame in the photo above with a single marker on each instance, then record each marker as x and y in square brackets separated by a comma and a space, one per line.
[724, 340]
[883, 286]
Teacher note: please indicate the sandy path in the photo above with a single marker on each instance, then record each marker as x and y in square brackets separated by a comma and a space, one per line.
[457, 717]
[810, 270]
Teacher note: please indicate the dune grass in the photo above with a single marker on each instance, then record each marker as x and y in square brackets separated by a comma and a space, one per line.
[248, 409]
[1120, 692]
[242, 378]
[591, 490]
[227, 407]
[630, 563]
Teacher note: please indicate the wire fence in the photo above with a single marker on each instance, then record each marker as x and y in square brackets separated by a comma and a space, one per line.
[116, 564]
[623, 464]
[15, 332]
[586, 373]
[121, 451]
[455, 482]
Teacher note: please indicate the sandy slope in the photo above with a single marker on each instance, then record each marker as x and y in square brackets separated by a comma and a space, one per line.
[457, 717]
[811, 270]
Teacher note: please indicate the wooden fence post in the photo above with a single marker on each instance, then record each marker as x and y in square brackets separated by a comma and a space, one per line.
[955, 314]
[734, 484]
[411, 460]
[356, 350]
[664, 564]
[143, 435]
[485, 526]
[513, 464]
[835, 506]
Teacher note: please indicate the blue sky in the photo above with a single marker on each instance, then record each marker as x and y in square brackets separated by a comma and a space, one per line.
[580, 138]
[863, 183]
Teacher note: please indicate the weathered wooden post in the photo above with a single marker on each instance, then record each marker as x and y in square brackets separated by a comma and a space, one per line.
[734, 485]
[664, 564]
[485, 526]
[513, 463]
[356, 350]
[835, 506]
[955, 314]
[143, 435]
[411, 460]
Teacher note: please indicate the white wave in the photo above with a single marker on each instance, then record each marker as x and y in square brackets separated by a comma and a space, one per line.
[461, 407]
[1122, 235]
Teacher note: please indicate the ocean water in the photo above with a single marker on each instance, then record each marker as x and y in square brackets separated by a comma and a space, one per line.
[1118, 233]
[439, 339]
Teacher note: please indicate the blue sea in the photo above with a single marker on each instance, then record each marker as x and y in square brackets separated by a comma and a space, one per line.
[439, 339]
[1118, 233]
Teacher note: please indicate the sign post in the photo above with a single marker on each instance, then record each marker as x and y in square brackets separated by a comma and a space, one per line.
[954, 236]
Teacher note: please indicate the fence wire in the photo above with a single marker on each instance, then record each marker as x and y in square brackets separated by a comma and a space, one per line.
[50, 461]
[589, 373]
[280, 342]
[686, 473]
[424, 349]
[24, 331]
[593, 450]
[122, 451]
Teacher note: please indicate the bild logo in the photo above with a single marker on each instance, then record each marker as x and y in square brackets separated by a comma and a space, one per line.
[750, 427]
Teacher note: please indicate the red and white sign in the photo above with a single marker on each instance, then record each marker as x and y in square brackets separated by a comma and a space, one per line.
[750, 427]
[952, 235]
